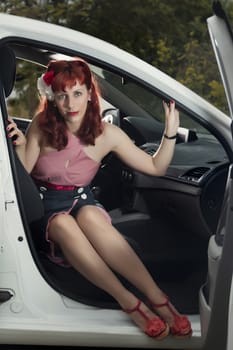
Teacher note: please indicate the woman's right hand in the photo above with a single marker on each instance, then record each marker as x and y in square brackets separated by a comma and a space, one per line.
[16, 135]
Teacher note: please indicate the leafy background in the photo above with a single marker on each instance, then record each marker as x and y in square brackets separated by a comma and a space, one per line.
[169, 34]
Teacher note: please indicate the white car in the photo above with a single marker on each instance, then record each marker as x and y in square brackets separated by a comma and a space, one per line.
[180, 223]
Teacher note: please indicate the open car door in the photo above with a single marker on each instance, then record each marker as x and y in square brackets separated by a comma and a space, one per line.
[216, 296]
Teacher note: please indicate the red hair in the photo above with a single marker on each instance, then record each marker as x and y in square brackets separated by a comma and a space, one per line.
[52, 124]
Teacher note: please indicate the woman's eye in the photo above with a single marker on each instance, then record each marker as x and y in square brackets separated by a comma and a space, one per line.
[77, 93]
[61, 97]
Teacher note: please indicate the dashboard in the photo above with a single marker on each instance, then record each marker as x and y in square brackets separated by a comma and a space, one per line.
[193, 188]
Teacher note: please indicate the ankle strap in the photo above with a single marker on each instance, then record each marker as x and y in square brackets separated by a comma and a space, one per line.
[136, 308]
[166, 303]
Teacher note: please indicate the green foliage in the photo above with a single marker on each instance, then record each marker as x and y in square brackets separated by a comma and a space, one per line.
[26, 95]
[169, 34]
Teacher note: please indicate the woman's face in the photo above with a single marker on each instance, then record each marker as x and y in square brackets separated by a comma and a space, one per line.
[72, 103]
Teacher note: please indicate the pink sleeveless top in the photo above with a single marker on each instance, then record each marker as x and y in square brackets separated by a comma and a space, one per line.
[70, 166]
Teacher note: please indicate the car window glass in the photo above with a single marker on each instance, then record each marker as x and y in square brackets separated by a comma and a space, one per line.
[146, 99]
[24, 98]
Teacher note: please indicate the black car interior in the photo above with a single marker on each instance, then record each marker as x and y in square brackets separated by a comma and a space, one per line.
[168, 220]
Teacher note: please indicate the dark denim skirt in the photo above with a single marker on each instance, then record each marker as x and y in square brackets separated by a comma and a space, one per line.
[70, 201]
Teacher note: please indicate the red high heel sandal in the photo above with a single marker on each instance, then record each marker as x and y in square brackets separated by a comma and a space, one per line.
[155, 327]
[181, 327]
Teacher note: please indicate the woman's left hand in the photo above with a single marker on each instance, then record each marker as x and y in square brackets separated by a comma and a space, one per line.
[172, 118]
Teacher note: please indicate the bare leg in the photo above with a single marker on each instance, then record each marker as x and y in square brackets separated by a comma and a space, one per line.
[119, 255]
[80, 253]
[116, 251]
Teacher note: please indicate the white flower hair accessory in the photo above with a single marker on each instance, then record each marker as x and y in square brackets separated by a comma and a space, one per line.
[44, 85]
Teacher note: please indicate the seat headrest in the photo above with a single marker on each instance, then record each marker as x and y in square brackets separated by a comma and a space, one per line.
[7, 69]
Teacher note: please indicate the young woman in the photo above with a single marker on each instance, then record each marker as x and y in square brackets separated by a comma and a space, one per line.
[62, 150]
